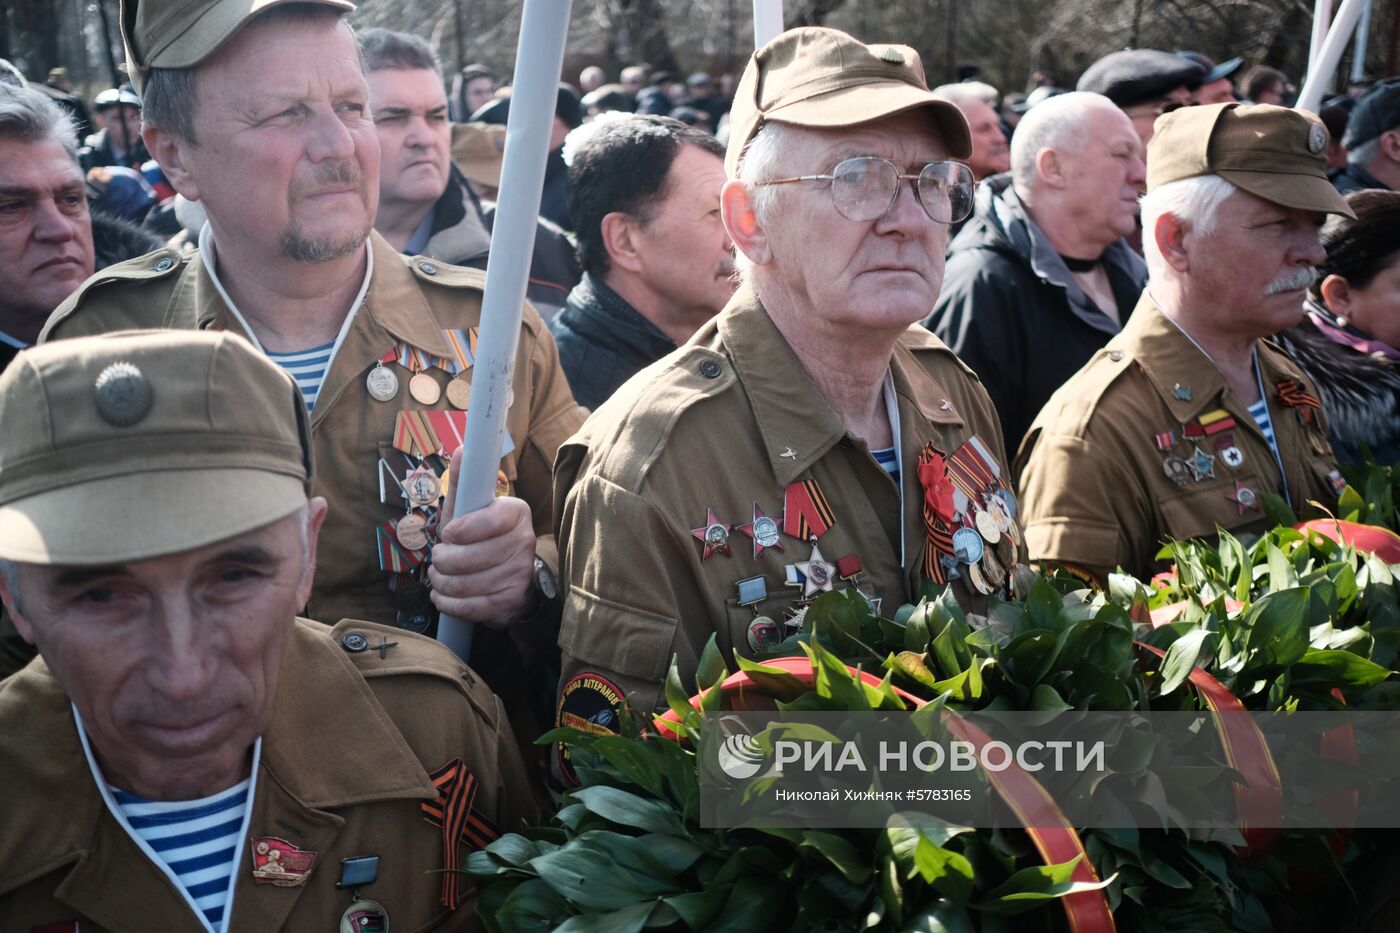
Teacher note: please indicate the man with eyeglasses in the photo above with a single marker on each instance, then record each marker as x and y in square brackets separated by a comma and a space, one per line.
[812, 437]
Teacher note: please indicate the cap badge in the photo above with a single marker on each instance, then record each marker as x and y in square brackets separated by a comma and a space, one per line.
[123, 395]
[892, 55]
[1317, 138]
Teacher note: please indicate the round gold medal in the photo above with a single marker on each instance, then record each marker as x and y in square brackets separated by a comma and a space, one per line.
[978, 580]
[412, 531]
[424, 389]
[459, 392]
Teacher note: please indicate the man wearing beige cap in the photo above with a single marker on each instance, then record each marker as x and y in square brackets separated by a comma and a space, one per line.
[260, 112]
[809, 438]
[186, 753]
[1189, 416]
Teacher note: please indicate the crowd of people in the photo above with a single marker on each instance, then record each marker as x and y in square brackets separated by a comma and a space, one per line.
[821, 328]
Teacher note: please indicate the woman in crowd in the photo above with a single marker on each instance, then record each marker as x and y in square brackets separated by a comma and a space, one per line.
[1349, 343]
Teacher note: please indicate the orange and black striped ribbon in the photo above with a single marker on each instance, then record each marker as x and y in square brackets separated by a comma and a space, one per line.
[453, 811]
[806, 513]
[415, 434]
[933, 473]
[1292, 394]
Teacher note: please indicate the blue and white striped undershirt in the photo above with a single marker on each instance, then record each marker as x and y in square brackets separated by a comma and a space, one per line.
[197, 840]
[888, 458]
[308, 368]
[1260, 412]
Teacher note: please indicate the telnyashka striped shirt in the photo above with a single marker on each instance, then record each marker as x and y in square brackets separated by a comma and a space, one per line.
[1260, 412]
[308, 368]
[888, 458]
[197, 839]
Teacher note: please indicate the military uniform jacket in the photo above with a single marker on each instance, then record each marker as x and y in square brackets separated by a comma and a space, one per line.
[726, 423]
[408, 301]
[1095, 484]
[345, 772]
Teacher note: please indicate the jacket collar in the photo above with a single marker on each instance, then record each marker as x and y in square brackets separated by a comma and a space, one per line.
[329, 744]
[1176, 366]
[459, 231]
[594, 298]
[795, 423]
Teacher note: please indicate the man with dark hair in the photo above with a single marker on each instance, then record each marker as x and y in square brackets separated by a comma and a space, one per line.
[283, 155]
[426, 206]
[1372, 140]
[644, 194]
[46, 246]
[1264, 85]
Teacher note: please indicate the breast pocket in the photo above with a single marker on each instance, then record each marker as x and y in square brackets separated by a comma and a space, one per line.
[1195, 512]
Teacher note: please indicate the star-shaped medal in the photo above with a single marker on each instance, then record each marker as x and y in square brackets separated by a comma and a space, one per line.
[1202, 464]
[820, 575]
[714, 535]
[764, 531]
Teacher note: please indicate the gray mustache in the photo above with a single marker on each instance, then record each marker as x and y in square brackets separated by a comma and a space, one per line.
[1292, 281]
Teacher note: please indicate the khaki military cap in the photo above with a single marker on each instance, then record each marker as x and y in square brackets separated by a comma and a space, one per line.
[479, 150]
[182, 33]
[144, 443]
[824, 79]
[1274, 153]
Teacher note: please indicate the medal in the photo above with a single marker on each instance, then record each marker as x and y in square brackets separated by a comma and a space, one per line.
[459, 392]
[752, 591]
[364, 917]
[413, 597]
[967, 545]
[412, 531]
[1177, 470]
[416, 622]
[424, 389]
[422, 487]
[992, 569]
[987, 527]
[278, 862]
[1008, 502]
[381, 382]
[1232, 456]
[764, 531]
[714, 535]
[1202, 465]
[978, 580]
[763, 634]
[1246, 498]
[819, 574]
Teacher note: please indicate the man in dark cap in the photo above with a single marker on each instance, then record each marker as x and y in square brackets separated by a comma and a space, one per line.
[119, 141]
[809, 437]
[186, 753]
[1216, 86]
[1145, 83]
[1187, 417]
[1372, 140]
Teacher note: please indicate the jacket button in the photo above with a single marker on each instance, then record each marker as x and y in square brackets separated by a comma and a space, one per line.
[428, 268]
[709, 369]
[163, 264]
[354, 642]
[1115, 355]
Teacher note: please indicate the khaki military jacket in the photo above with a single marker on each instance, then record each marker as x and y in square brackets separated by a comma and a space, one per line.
[345, 772]
[1097, 489]
[726, 423]
[409, 301]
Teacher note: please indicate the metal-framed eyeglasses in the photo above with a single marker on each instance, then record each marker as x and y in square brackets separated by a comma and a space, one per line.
[864, 188]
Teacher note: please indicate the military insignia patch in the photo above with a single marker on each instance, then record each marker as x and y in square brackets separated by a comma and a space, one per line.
[590, 703]
[278, 862]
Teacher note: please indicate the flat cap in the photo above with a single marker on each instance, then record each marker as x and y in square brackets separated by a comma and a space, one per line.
[824, 79]
[1378, 110]
[182, 33]
[1139, 76]
[139, 444]
[1214, 72]
[1275, 153]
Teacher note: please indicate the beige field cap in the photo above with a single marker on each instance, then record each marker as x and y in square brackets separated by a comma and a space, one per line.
[144, 443]
[823, 79]
[1275, 153]
[479, 150]
[182, 33]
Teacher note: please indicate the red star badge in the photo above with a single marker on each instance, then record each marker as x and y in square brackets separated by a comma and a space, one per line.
[765, 532]
[714, 535]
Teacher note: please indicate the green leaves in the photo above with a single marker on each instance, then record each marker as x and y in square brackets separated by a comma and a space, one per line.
[1277, 626]
[1181, 658]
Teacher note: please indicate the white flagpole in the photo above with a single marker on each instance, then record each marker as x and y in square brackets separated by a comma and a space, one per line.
[1321, 69]
[544, 26]
[767, 21]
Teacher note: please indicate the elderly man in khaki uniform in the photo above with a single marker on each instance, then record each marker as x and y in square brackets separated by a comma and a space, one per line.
[1185, 419]
[264, 118]
[809, 438]
[186, 754]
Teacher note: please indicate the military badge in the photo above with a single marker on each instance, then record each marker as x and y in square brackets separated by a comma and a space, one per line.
[1246, 498]
[818, 574]
[590, 703]
[278, 862]
[714, 535]
[123, 395]
[364, 917]
[764, 531]
[764, 634]
[1202, 465]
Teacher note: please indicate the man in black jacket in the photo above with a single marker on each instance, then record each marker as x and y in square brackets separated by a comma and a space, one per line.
[1041, 277]
[644, 193]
